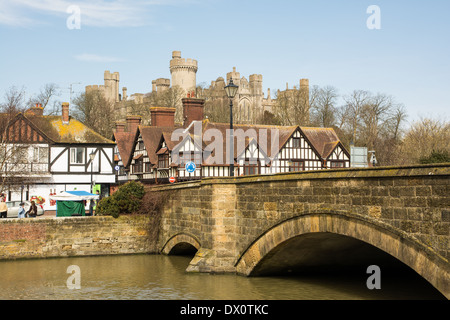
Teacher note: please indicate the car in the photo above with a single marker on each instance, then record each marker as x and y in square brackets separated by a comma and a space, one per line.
[13, 208]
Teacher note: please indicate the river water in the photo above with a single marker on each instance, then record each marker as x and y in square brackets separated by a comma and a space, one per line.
[149, 277]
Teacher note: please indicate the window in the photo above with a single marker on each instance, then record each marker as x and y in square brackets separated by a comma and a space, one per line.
[138, 166]
[77, 155]
[148, 167]
[337, 164]
[296, 165]
[21, 154]
[251, 167]
[296, 142]
[40, 154]
[187, 156]
[163, 161]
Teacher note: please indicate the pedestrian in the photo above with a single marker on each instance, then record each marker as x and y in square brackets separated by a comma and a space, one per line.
[32, 212]
[21, 213]
[91, 207]
[3, 209]
[98, 200]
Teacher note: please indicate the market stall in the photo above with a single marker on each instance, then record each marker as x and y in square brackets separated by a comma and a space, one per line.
[72, 203]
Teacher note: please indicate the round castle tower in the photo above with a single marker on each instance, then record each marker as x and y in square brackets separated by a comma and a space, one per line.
[183, 71]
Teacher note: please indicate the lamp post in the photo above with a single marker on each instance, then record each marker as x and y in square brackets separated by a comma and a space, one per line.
[92, 156]
[231, 90]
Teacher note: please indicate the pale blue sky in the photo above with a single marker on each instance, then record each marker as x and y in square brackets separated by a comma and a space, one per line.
[326, 41]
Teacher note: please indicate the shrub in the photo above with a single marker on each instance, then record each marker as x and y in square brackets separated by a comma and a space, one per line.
[127, 199]
[436, 156]
[108, 206]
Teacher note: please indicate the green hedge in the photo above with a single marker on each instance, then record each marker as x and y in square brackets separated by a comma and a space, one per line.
[127, 199]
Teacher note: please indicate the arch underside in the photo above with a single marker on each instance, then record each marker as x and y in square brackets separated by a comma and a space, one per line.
[181, 244]
[322, 240]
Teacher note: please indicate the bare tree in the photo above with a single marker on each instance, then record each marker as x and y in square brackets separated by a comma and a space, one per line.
[47, 97]
[217, 105]
[397, 119]
[96, 112]
[375, 116]
[353, 109]
[11, 153]
[425, 136]
[323, 103]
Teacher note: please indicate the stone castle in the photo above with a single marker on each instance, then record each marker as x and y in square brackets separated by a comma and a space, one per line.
[248, 106]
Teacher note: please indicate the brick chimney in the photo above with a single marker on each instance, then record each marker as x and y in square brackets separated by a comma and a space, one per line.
[133, 123]
[120, 126]
[162, 116]
[192, 110]
[37, 110]
[65, 112]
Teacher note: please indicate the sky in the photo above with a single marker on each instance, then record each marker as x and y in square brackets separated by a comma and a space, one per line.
[401, 48]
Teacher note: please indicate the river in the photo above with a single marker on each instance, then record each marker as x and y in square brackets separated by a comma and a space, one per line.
[160, 277]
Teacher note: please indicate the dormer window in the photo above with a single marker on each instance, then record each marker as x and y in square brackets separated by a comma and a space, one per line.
[163, 160]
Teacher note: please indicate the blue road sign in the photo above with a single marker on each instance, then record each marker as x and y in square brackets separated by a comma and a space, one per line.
[190, 166]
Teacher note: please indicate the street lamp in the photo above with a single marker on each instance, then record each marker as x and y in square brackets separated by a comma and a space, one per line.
[92, 156]
[231, 90]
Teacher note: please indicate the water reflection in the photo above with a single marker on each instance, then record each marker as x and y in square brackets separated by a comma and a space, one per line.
[161, 277]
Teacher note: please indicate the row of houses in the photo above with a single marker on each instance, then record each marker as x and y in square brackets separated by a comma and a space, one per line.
[43, 155]
[153, 154]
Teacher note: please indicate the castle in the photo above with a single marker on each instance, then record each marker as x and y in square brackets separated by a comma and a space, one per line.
[248, 106]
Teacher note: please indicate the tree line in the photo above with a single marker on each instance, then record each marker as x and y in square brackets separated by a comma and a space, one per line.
[365, 119]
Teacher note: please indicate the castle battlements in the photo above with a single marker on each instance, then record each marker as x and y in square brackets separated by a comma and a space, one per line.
[183, 63]
[256, 78]
[94, 87]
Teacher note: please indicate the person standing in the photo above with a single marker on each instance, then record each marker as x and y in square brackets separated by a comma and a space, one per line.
[21, 213]
[32, 212]
[91, 207]
[3, 209]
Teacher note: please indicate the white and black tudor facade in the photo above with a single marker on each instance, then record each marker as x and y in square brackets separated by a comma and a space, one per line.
[153, 154]
[53, 154]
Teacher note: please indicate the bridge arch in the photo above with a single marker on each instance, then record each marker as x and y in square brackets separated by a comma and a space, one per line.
[395, 242]
[181, 243]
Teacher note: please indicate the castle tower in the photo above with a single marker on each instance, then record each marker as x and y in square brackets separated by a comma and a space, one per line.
[255, 82]
[111, 86]
[162, 84]
[236, 76]
[183, 72]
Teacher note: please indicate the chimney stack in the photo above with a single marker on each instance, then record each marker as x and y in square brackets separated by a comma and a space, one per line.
[120, 126]
[133, 123]
[162, 117]
[192, 110]
[65, 112]
[37, 110]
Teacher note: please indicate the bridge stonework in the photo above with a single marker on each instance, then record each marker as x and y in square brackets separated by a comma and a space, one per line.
[236, 223]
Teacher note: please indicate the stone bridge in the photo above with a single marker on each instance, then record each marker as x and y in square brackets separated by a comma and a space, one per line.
[256, 225]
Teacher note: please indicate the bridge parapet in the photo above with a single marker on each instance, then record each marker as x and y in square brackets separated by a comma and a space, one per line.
[230, 216]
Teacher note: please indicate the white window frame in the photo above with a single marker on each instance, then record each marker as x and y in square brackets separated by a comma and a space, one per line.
[73, 155]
